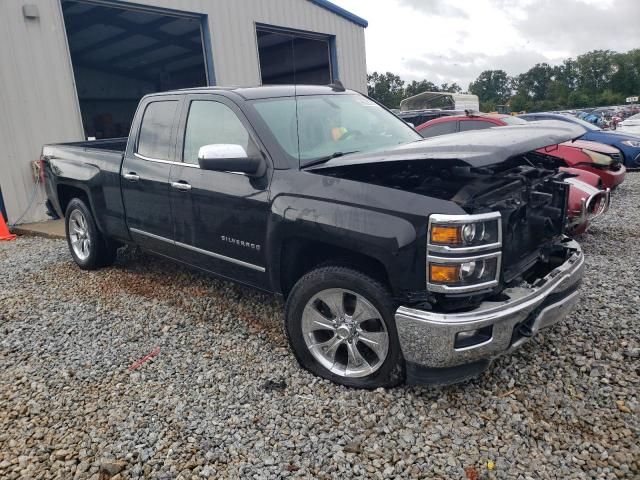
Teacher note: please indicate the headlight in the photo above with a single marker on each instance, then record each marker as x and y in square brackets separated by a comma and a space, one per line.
[598, 158]
[464, 233]
[631, 143]
[457, 246]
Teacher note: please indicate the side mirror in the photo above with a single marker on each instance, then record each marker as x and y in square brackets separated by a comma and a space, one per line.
[229, 157]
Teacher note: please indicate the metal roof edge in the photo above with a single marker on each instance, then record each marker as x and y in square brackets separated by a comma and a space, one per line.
[332, 7]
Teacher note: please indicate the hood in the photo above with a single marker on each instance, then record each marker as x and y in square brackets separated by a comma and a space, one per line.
[593, 146]
[477, 148]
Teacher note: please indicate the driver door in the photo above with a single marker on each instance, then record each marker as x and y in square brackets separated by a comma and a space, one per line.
[219, 218]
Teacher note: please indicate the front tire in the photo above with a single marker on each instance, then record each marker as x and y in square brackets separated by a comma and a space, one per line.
[89, 248]
[340, 325]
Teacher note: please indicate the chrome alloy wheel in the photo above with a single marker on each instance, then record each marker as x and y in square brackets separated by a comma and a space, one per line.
[345, 333]
[79, 235]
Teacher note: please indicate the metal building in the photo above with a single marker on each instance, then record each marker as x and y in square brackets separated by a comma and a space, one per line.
[75, 69]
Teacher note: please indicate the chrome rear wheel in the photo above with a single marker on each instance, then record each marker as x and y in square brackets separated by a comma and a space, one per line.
[79, 235]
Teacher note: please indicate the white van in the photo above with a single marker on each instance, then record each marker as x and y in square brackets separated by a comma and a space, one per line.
[441, 100]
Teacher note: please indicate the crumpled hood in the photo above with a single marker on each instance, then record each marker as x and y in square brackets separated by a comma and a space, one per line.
[478, 148]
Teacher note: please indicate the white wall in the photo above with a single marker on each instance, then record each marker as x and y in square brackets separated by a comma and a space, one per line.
[37, 98]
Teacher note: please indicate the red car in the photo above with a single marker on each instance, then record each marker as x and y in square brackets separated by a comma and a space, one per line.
[586, 198]
[603, 160]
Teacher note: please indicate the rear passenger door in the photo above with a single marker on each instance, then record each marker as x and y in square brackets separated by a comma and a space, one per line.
[145, 174]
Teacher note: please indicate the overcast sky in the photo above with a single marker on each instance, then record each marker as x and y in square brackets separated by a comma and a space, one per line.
[453, 41]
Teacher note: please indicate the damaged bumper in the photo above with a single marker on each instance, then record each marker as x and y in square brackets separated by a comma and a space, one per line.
[449, 347]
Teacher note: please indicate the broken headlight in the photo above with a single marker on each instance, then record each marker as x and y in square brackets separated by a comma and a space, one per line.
[463, 252]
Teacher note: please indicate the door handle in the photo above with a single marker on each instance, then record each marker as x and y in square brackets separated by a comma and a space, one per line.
[181, 186]
[132, 176]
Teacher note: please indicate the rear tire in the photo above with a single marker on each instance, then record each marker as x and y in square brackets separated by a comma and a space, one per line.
[89, 248]
[340, 324]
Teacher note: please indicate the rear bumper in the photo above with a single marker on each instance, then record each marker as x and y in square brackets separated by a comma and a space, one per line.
[430, 339]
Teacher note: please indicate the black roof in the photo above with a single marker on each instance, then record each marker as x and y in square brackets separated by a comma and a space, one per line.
[265, 91]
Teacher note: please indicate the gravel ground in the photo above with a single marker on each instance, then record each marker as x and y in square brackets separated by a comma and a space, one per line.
[222, 397]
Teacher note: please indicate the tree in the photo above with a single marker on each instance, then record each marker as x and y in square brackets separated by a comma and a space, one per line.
[536, 81]
[596, 70]
[386, 88]
[414, 88]
[491, 87]
[453, 88]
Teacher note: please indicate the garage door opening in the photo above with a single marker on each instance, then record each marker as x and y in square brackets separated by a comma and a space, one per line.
[288, 57]
[121, 54]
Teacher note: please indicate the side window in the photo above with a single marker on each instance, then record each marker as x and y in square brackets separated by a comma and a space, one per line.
[210, 122]
[438, 129]
[154, 140]
[466, 125]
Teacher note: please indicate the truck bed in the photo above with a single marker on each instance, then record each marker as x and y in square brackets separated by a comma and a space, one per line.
[110, 144]
[90, 169]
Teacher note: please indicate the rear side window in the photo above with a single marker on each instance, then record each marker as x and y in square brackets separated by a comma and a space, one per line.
[154, 140]
[212, 122]
[438, 129]
[466, 125]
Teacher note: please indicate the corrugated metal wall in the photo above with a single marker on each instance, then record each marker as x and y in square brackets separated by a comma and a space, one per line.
[232, 27]
[38, 103]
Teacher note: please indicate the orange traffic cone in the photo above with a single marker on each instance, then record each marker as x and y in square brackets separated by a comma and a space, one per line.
[5, 234]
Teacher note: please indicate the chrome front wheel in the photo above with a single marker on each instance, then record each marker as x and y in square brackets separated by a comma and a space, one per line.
[345, 333]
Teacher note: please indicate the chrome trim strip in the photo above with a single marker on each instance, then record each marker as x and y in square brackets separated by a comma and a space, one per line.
[478, 248]
[200, 250]
[182, 164]
[484, 256]
[157, 160]
[465, 218]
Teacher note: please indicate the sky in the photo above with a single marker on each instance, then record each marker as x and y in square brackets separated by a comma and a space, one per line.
[455, 40]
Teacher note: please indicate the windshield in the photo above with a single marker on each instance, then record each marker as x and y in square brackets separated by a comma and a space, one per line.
[331, 125]
[511, 120]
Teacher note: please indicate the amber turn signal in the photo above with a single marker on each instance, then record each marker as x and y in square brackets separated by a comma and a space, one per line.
[444, 273]
[446, 235]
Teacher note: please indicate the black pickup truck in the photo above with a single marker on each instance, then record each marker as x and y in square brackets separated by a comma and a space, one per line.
[399, 258]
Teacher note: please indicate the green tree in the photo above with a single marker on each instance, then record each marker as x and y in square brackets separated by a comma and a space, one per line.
[536, 81]
[596, 69]
[453, 88]
[492, 87]
[415, 87]
[386, 88]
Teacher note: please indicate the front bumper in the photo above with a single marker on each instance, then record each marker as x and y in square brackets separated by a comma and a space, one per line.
[428, 339]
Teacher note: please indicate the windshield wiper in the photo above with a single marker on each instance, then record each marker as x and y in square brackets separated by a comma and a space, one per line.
[320, 160]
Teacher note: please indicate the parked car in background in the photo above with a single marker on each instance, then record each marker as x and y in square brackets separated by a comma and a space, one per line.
[631, 125]
[627, 143]
[602, 160]
[398, 258]
[418, 117]
[580, 213]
